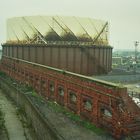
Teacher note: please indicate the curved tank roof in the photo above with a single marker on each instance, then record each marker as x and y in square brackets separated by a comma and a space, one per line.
[43, 29]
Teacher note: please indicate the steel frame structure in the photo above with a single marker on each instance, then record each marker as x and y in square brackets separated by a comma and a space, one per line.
[70, 29]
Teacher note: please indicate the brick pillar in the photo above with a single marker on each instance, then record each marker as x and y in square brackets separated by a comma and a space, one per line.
[65, 96]
[78, 103]
[96, 110]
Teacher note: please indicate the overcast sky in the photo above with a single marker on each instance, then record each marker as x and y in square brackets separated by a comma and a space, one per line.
[122, 15]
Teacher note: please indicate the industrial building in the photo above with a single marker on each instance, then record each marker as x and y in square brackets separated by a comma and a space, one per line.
[52, 54]
[74, 44]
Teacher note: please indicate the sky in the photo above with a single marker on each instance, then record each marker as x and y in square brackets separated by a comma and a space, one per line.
[123, 15]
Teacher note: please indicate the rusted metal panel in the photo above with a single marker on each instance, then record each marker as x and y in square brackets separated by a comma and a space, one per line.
[107, 61]
[84, 60]
[47, 56]
[7, 50]
[63, 58]
[17, 52]
[78, 54]
[94, 61]
[14, 49]
[104, 61]
[108, 56]
[39, 55]
[10, 51]
[33, 54]
[91, 61]
[97, 68]
[43, 55]
[26, 53]
[7, 54]
[100, 57]
[70, 57]
[79, 59]
[54, 56]
[4, 50]
[20, 52]
[110, 59]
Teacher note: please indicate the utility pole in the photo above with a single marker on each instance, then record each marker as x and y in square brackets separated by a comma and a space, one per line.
[136, 43]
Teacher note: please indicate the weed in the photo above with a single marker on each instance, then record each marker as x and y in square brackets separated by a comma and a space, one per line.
[76, 118]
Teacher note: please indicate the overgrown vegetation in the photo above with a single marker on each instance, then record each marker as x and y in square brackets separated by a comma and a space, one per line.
[56, 107]
[2, 74]
[2, 121]
[75, 118]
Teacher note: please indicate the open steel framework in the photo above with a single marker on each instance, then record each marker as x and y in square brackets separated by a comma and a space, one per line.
[57, 29]
[104, 104]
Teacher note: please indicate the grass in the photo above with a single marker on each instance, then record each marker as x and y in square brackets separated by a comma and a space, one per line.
[76, 118]
[2, 121]
[2, 74]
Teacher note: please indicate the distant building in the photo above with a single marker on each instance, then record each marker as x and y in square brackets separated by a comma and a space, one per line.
[117, 60]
